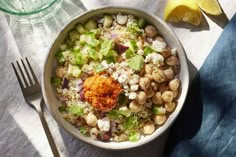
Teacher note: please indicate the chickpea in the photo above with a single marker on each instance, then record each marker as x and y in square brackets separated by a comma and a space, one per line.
[141, 97]
[172, 61]
[154, 86]
[148, 69]
[169, 73]
[148, 128]
[150, 31]
[149, 76]
[94, 133]
[149, 92]
[159, 76]
[91, 119]
[159, 38]
[60, 71]
[157, 99]
[134, 106]
[166, 53]
[163, 87]
[174, 84]
[144, 83]
[170, 106]
[175, 93]
[167, 96]
[160, 119]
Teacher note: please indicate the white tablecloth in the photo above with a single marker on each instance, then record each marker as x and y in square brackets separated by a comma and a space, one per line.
[21, 133]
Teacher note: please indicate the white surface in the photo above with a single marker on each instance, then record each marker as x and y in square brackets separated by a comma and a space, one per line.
[21, 132]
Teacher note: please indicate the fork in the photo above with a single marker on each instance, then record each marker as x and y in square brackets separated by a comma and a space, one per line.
[33, 96]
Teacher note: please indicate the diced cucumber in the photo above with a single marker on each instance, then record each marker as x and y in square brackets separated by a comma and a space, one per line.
[80, 28]
[93, 54]
[91, 24]
[141, 23]
[60, 58]
[159, 110]
[89, 39]
[69, 43]
[99, 68]
[63, 47]
[76, 58]
[74, 34]
[107, 20]
[66, 53]
[74, 70]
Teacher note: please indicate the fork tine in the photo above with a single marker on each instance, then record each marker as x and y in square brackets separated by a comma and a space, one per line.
[17, 76]
[27, 73]
[32, 72]
[22, 74]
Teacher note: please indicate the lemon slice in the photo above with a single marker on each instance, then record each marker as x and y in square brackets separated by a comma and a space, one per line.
[182, 10]
[209, 6]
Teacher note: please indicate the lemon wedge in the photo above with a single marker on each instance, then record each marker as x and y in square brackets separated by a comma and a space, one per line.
[209, 6]
[182, 10]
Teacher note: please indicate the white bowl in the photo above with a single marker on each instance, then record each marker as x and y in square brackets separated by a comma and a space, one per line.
[50, 64]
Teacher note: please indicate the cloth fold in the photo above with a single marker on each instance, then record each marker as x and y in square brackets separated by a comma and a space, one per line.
[206, 127]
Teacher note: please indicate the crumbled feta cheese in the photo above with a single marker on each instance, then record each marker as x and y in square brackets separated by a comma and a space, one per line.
[134, 87]
[158, 45]
[115, 75]
[111, 65]
[104, 124]
[123, 78]
[140, 52]
[173, 51]
[126, 87]
[123, 64]
[110, 70]
[123, 108]
[126, 93]
[104, 64]
[155, 58]
[132, 96]
[134, 79]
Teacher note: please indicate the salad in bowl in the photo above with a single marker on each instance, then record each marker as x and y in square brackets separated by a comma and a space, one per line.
[115, 77]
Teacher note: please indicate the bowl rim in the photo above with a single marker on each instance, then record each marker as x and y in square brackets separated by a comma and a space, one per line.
[108, 145]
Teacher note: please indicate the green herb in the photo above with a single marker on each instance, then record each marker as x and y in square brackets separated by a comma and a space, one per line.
[106, 47]
[136, 62]
[134, 136]
[158, 110]
[76, 110]
[56, 81]
[131, 122]
[141, 23]
[148, 50]
[114, 114]
[83, 130]
[133, 45]
[133, 28]
[155, 110]
[62, 108]
[129, 53]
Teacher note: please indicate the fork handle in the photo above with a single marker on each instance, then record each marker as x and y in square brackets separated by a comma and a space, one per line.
[47, 132]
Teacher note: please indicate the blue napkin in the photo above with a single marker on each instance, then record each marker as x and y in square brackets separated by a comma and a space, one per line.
[206, 127]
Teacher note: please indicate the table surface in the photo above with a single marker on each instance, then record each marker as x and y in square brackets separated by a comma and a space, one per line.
[21, 131]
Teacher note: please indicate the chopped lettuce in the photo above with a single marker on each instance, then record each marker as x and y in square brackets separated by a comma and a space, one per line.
[75, 110]
[136, 62]
[131, 123]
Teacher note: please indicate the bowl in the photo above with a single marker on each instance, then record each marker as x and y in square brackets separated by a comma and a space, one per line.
[25, 7]
[50, 65]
